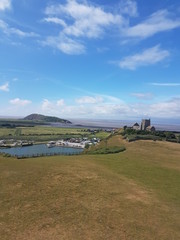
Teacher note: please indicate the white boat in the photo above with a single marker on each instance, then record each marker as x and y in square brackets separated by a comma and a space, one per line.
[51, 144]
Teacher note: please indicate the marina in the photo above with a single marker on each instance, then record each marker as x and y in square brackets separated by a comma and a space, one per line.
[40, 150]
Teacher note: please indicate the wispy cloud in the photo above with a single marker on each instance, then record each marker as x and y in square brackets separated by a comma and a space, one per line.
[60, 103]
[148, 57]
[163, 109]
[88, 20]
[159, 21]
[90, 100]
[166, 84]
[55, 20]
[170, 108]
[102, 49]
[15, 31]
[80, 20]
[53, 107]
[15, 79]
[105, 97]
[128, 7]
[143, 96]
[20, 102]
[5, 4]
[81, 110]
[47, 105]
[65, 44]
[4, 87]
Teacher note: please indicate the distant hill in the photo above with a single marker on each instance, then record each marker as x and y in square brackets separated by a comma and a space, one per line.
[40, 117]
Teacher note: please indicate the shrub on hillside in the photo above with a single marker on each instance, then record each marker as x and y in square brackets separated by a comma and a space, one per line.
[107, 150]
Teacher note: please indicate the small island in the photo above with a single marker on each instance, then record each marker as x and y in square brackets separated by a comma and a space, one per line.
[43, 118]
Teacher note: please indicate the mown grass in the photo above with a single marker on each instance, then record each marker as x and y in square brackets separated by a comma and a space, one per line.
[131, 195]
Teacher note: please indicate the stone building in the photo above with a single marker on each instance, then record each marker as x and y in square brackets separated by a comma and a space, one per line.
[145, 126]
[145, 123]
[151, 129]
[136, 126]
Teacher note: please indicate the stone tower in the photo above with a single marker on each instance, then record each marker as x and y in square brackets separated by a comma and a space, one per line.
[145, 123]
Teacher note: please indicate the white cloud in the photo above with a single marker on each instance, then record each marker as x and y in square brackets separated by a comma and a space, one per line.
[4, 87]
[55, 20]
[129, 7]
[9, 31]
[79, 19]
[163, 109]
[50, 107]
[149, 56]
[60, 103]
[143, 96]
[111, 99]
[166, 84]
[47, 105]
[120, 110]
[88, 20]
[159, 21]
[65, 44]
[82, 19]
[5, 4]
[81, 109]
[89, 100]
[20, 102]
[166, 109]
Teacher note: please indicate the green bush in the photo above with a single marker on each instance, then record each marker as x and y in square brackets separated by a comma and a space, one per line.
[131, 138]
[107, 150]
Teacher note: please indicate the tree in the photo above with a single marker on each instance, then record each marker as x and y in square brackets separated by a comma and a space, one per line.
[87, 146]
[170, 135]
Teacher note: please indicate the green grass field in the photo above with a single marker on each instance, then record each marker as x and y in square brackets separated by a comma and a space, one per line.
[131, 195]
[7, 132]
[42, 134]
[50, 130]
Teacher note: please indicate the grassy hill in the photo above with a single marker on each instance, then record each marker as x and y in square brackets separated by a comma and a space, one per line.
[43, 118]
[132, 195]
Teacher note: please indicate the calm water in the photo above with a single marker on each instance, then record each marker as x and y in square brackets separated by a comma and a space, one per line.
[160, 124]
[39, 150]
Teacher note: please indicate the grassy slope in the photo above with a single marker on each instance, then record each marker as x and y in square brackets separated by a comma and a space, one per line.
[130, 195]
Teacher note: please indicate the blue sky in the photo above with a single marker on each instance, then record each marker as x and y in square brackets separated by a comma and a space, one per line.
[90, 59]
